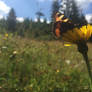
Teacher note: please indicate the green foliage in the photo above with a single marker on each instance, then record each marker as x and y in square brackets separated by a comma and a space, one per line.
[21, 28]
[3, 24]
[32, 66]
[37, 31]
[26, 24]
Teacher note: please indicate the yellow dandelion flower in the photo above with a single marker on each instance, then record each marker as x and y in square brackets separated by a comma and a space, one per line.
[77, 35]
[6, 35]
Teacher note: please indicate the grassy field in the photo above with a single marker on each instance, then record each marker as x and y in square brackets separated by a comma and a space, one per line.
[41, 66]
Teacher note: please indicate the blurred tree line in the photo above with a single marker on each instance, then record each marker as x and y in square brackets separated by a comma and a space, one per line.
[27, 28]
[42, 30]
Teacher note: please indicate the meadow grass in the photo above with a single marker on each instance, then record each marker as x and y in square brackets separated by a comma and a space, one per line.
[41, 66]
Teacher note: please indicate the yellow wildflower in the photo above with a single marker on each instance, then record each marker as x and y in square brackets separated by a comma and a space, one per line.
[6, 35]
[77, 35]
[67, 44]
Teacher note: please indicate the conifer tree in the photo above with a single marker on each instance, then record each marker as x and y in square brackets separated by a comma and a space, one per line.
[39, 15]
[55, 8]
[11, 21]
[72, 11]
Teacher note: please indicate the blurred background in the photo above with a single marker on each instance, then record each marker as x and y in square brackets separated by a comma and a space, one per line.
[27, 18]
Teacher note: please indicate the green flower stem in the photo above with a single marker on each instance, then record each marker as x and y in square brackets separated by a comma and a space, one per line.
[83, 49]
[88, 65]
[89, 68]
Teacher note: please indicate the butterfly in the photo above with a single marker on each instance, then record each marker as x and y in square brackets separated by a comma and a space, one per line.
[62, 24]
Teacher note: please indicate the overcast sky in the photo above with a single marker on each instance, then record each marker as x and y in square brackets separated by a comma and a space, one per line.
[28, 8]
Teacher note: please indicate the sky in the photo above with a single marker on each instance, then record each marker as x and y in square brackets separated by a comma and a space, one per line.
[28, 8]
